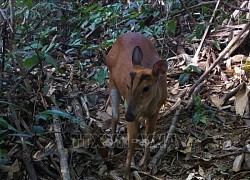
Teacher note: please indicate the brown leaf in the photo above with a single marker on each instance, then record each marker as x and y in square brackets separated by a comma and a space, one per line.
[217, 101]
[238, 162]
[241, 100]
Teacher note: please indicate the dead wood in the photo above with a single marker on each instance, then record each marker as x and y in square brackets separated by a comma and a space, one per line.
[63, 156]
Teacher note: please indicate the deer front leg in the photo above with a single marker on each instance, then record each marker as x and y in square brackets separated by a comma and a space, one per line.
[115, 102]
[132, 129]
[148, 135]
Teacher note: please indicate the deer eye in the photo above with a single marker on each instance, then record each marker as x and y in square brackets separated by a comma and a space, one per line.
[145, 89]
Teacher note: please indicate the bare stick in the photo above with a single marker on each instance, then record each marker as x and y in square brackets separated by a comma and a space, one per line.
[195, 59]
[61, 151]
[197, 5]
[190, 14]
[150, 176]
[166, 142]
[222, 54]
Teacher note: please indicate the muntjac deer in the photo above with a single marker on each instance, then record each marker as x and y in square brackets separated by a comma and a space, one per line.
[137, 74]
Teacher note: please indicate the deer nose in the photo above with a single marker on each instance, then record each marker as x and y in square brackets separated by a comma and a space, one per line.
[129, 117]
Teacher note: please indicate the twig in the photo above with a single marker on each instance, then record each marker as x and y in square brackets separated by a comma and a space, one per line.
[85, 106]
[61, 152]
[151, 176]
[197, 5]
[187, 9]
[195, 59]
[6, 19]
[222, 54]
[4, 36]
[166, 142]
[231, 93]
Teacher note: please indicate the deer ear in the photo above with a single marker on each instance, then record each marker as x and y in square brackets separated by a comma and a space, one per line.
[160, 68]
[137, 56]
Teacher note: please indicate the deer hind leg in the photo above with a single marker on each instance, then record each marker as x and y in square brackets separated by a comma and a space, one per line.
[115, 98]
[148, 135]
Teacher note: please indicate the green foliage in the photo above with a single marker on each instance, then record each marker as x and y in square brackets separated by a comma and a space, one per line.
[199, 112]
[199, 31]
[48, 114]
[217, 45]
[184, 77]
[202, 115]
[38, 129]
[187, 72]
[101, 75]
[5, 125]
[171, 26]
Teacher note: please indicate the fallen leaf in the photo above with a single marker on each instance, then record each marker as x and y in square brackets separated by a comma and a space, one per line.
[241, 100]
[201, 171]
[238, 163]
[217, 101]
[247, 155]
[189, 146]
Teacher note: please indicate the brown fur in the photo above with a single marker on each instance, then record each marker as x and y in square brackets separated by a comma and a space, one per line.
[145, 93]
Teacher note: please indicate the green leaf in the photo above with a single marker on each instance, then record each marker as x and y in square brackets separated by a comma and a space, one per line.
[197, 101]
[49, 59]
[18, 107]
[30, 62]
[29, 3]
[38, 129]
[200, 117]
[33, 46]
[203, 119]
[21, 135]
[101, 75]
[196, 118]
[3, 131]
[184, 78]
[61, 114]
[217, 44]
[5, 124]
[171, 26]
[192, 68]
[42, 117]
[197, 69]
[199, 31]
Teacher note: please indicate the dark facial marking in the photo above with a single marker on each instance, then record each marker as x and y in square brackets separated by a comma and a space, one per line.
[144, 76]
[132, 76]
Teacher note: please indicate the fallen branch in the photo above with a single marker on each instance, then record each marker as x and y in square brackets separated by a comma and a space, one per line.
[59, 142]
[162, 150]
